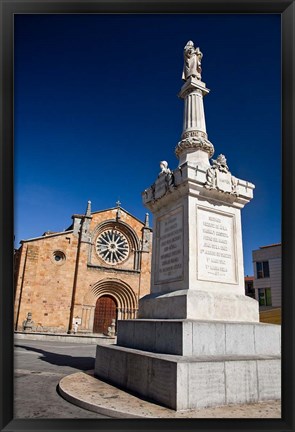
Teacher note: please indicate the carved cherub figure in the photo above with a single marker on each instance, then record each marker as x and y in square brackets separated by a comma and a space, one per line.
[220, 163]
[169, 178]
[164, 168]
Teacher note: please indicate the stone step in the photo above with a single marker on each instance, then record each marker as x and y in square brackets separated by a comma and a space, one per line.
[190, 382]
[200, 338]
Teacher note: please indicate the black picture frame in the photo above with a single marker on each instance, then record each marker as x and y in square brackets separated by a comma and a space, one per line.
[10, 7]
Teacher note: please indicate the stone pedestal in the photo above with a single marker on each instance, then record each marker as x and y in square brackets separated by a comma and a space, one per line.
[188, 364]
[190, 382]
[198, 341]
[200, 338]
[197, 262]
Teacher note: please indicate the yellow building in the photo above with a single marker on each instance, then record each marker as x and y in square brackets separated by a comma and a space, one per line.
[90, 274]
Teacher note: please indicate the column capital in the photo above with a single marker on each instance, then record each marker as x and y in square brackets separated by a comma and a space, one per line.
[193, 84]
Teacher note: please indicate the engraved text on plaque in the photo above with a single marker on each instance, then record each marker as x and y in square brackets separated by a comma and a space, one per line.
[170, 247]
[216, 249]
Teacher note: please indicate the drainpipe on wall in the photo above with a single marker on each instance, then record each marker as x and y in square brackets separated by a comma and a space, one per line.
[70, 326]
[83, 237]
[145, 248]
[139, 285]
[21, 289]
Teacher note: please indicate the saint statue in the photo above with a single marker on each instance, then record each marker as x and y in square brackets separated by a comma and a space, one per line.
[192, 61]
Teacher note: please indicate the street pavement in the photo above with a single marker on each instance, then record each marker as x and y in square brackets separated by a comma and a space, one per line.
[39, 366]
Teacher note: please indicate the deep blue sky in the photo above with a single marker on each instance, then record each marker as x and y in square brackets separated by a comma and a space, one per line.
[96, 109]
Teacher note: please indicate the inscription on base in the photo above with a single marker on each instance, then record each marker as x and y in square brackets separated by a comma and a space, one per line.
[216, 251]
[170, 247]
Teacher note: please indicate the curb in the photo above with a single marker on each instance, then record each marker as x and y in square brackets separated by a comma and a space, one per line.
[107, 411]
[59, 337]
[88, 392]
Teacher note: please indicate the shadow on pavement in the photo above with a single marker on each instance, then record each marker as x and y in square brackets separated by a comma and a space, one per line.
[80, 363]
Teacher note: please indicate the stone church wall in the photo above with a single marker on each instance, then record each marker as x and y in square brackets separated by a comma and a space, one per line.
[48, 272]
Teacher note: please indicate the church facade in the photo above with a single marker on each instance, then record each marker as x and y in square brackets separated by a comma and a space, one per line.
[86, 277]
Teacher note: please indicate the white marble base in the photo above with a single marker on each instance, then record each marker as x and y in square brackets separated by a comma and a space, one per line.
[199, 305]
[200, 338]
[187, 382]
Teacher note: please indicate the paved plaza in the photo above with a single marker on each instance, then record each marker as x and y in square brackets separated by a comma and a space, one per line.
[39, 366]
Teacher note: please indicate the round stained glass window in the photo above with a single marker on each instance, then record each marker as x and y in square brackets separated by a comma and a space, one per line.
[112, 246]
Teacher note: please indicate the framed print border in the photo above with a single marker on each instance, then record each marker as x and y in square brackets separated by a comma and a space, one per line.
[8, 9]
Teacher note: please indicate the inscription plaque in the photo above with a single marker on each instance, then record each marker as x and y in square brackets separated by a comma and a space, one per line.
[170, 247]
[216, 259]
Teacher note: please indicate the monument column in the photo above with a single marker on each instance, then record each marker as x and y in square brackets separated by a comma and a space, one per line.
[198, 341]
[194, 145]
[197, 260]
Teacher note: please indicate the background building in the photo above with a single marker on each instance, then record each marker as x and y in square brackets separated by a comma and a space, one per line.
[91, 273]
[267, 262]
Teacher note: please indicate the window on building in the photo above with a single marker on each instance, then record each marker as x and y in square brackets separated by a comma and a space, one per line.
[58, 257]
[264, 296]
[250, 291]
[262, 269]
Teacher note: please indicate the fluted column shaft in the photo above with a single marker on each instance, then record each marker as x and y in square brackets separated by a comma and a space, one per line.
[194, 116]
[194, 146]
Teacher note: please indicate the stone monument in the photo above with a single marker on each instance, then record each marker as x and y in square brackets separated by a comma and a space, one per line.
[197, 341]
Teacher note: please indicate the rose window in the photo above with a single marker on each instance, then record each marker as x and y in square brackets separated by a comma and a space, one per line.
[112, 246]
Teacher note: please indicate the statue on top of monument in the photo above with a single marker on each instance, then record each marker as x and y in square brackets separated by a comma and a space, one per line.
[192, 61]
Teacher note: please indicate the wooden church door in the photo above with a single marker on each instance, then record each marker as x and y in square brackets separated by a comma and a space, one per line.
[105, 311]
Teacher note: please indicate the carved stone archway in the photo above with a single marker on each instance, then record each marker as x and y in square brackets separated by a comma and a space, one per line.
[121, 292]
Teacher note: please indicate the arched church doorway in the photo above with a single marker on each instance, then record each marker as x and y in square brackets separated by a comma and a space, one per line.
[105, 312]
[122, 304]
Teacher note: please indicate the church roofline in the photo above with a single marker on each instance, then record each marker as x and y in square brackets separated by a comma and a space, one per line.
[46, 236]
[70, 230]
[116, 208]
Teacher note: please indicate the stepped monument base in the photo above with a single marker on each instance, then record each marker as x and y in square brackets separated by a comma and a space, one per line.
[194, 364]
